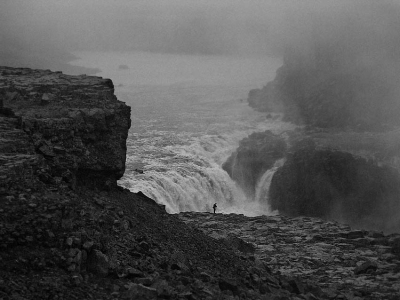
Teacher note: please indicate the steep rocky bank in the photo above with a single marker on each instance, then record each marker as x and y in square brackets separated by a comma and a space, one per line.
[67, 231]
[75, 123]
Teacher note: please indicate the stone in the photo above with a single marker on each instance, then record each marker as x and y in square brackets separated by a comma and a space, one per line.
[366, 267]
[47, 151]
[77, 279]
[205, 277]
[228, 284]
[147, 281]
[69, 241]
[88, 245]
[163, 288]
[395, 244]
[132, 273]
[98, 263]
[47, 98]
[138, 291]
[355, 234]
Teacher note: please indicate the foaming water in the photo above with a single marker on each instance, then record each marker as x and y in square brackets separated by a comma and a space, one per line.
[262, 188]
[186, 123]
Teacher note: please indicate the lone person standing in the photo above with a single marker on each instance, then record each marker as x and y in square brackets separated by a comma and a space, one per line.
[215, 207]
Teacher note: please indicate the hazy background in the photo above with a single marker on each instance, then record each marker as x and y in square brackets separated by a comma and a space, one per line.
[40, 32]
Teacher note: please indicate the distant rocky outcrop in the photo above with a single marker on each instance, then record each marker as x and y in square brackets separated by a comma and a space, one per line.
[326, 86]
[74, 125]
[337, 185]
[255, 154]
[348, 177]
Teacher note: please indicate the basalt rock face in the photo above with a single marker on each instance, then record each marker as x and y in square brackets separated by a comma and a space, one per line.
[337, 185]
[74, 125]
[255, 154]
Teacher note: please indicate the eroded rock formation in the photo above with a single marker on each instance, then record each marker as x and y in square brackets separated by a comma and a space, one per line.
[256, 154]
[74, 123]
[336, 185]
[348, 177]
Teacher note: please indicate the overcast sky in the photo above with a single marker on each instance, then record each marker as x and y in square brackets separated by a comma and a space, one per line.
[191, 26]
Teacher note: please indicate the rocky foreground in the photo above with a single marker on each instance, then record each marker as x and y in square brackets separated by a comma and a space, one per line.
[68, 231]
[344, 263]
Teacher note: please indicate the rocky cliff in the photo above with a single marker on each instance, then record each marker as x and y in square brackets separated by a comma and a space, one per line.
[74, 124]
[336, 185]
[349, 177]
[67, 231]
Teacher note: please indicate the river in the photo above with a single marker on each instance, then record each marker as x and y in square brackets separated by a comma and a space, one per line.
[189, 113]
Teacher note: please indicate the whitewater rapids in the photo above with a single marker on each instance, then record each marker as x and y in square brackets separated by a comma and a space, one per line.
[189, 113]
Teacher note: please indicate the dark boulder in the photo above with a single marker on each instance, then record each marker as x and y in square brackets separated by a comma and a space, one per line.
[366, 267]
[256, 154]
[336, 185]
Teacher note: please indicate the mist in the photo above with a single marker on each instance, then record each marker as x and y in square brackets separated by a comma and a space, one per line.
[39, 32]
[30, 29]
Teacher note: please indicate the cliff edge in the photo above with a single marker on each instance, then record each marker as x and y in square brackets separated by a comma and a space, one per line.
[68, 231]
[74, 124]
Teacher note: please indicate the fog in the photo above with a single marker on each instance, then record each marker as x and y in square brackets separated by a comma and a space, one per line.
[206, 27]
[191, 27]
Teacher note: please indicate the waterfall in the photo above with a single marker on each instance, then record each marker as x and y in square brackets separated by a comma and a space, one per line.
[262, 188]
[191, 188]
[183, 176]
[185, 173]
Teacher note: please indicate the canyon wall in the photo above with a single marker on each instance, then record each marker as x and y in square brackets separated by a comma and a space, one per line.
[73, 127]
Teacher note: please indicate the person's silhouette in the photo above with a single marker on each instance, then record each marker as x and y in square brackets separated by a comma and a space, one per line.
[215, 207]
